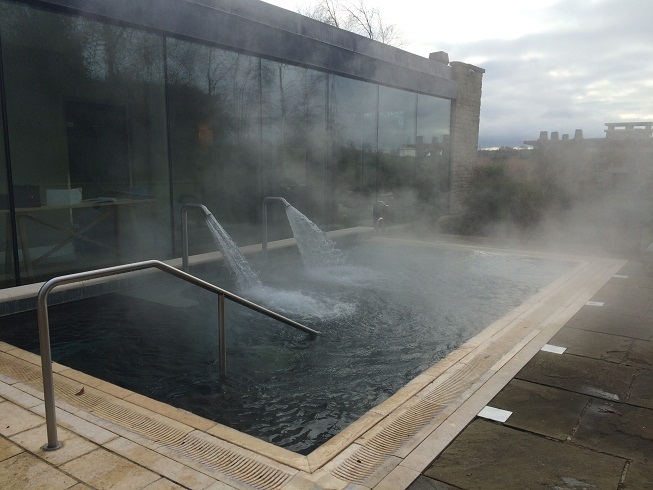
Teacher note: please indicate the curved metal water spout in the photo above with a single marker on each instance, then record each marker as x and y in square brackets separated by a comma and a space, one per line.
[264, 232]
[184, 230]
[377, 216]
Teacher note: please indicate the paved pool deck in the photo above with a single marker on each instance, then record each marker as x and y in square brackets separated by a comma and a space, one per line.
[580, 418]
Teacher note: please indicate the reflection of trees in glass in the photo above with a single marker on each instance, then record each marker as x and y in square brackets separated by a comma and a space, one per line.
[214, 113]
[93, 50]
[294, 127]
[433, 152]
[57, 64]
[353, 120]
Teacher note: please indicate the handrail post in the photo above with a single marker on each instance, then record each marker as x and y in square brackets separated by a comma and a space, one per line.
[222, 347]
[184, 231]
[46, 371]
[264, 231]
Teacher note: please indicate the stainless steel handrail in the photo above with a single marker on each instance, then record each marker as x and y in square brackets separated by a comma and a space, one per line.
[264, 231]
[44, 326]
[184, 231]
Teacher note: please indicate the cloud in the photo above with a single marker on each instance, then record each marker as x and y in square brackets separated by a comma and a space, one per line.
[593, 68]
[553, 65]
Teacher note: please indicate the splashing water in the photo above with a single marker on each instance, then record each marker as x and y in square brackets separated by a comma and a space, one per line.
[315, 248]
[245, 277]
[300, 304]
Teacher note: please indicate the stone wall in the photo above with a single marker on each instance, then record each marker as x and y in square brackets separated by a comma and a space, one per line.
[465, 117]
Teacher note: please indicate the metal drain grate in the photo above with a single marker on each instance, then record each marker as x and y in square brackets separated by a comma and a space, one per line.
[368, 459]
[205, 452]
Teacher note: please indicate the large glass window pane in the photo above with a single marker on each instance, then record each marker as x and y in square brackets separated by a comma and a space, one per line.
[215, 139]
[354, 138]
[294, 133]
[433, 155]
[87, 130]
[397, 153]
[6, 249]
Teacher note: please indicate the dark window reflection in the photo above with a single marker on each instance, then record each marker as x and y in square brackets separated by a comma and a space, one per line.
[215, 137]
[398, 172]
[294, 134]
[93, 111]
[87, 132]
[6, 251]
[354, 106]
[432, 152]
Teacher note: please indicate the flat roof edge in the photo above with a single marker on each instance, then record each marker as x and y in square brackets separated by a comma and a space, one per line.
[262, 29]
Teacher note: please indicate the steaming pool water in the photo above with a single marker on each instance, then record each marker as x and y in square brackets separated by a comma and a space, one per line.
[394, 312]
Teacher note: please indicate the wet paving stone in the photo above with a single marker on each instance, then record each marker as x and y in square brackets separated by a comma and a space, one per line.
[637, 268]
[641, 392]
[490, 456]
[596, 345]
[544, 410]
[618, 429]
[641, 354]
[638, 476]
[597, 319]
[580, 374]
[624, 290]
[425, 483]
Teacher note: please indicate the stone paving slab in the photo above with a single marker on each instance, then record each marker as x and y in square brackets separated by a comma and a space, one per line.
[641, 354]
[597, 345]
[638, 477]
[544, 410]
[490, 456]
[641, 268]
[580, 375]
[597, 319]
[641, 392]
[25, 471]
[618, 429]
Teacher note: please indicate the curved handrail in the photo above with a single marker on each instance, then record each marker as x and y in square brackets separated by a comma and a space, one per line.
[264, 231]
[44, 327]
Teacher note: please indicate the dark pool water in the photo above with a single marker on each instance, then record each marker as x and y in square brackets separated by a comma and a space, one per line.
[392, 313]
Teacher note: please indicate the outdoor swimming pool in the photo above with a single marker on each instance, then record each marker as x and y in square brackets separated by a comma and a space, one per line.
[395, 310]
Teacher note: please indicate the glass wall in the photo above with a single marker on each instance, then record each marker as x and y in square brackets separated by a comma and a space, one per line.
[397, 156]
[354, 128]
[87, 132]
[214, 114]
[294, 137]
[6, 248]
[112, 129]
[432, 152]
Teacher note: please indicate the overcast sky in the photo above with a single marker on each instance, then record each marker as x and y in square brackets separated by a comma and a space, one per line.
[551, 65]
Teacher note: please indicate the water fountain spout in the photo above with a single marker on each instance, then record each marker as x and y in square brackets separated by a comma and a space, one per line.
[245, 276]
[184, 230]
[264, 231]
[378, 209]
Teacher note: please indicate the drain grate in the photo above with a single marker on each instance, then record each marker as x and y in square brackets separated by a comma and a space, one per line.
[368, 459]
[209, 453]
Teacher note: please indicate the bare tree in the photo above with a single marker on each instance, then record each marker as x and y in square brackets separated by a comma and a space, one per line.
[355, 16]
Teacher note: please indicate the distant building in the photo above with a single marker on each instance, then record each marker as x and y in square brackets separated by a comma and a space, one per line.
[619, 165]
[610, 181]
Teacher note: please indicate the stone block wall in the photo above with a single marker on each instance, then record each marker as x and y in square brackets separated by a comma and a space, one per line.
[465, 118]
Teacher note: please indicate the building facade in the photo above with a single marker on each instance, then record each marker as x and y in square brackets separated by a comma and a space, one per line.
[115, 113]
